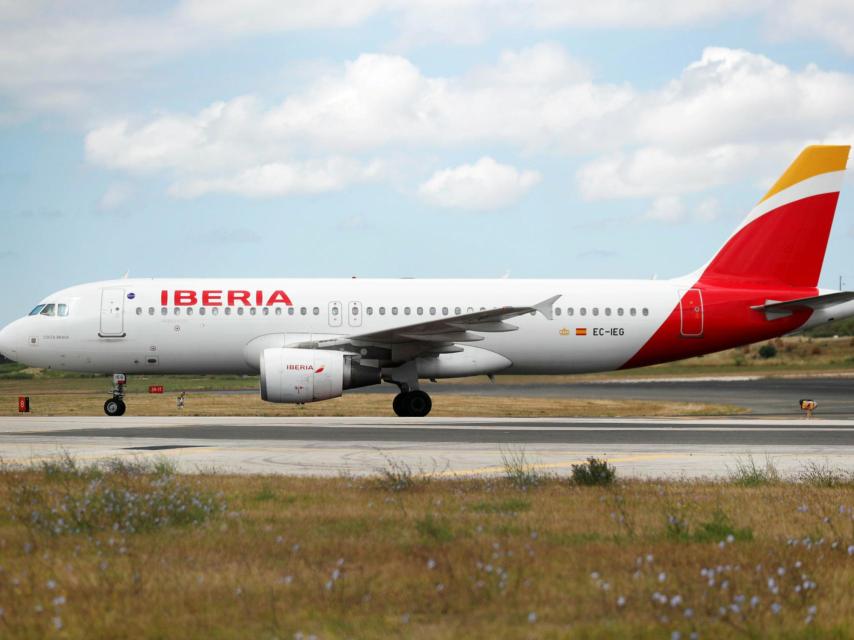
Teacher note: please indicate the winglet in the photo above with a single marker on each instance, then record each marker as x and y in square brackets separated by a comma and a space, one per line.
[545, 307]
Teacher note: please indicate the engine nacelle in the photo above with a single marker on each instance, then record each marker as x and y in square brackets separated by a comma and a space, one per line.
[309, 375]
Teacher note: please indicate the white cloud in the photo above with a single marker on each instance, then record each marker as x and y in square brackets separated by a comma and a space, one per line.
[282, 179]
[730, 116]
[482, 186]
[115, 196]
[828, 20]
[71, 57]
[707, 210]
[666, 209]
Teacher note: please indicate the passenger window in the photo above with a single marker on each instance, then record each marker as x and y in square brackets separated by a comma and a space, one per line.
[457, 311]
[334, 311]
[570, 311]
[619, 311]
[290, 311]
[582, 311]
[633, 311]
[645, 311]
[215, 311]
[595, 311]
[382, 311]
[303, 311]
[177, 311]
[265, 311]
[49, 310]
[394, 311]
[37, 310]
[557, 311]
[228, 311]
[62, 310]
[252, 311]
[471, 310]
[432, 311]
[406, 310]
[355, 311]
[278, 311]
[420, 311]
[164, 311]
[316, 311]
[139, 311]
[444, 311]
[240, 311]
[150, 310]
[370, 311]
[201, 311]
[607, 311]
[189, 311]
[483, 308]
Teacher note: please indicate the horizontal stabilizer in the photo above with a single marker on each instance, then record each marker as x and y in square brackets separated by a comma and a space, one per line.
[774, 309]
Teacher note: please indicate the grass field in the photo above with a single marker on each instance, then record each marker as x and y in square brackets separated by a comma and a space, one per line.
[126, 551]
[374, 404]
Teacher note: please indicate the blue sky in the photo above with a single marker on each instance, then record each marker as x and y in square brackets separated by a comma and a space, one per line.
[390, 138]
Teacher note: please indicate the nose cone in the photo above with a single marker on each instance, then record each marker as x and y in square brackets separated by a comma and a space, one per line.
[7, 346]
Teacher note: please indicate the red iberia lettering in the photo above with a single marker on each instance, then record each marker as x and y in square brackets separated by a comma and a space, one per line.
[235, 296]
[185, 298]
[279, 296]
[212, 298]
[218, 298]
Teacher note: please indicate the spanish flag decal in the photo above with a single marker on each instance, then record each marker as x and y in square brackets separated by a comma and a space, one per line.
[581, 332]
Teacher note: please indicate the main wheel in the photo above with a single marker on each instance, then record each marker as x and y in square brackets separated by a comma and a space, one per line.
[417, 404]
[398, 405]
[114, 407]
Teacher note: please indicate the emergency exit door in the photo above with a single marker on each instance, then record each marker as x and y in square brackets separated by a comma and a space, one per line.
[355, 313]
[112, 313]
[691, 308]
[335, 314]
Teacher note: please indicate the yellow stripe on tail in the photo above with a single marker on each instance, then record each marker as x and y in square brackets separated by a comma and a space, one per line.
[812, 161]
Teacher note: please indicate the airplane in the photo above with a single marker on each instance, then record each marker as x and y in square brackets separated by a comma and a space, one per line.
[310, 339]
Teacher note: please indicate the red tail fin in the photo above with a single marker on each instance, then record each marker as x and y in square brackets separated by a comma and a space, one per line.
[783, 240]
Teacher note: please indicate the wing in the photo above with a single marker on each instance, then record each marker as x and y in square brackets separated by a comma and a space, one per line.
[434, 336]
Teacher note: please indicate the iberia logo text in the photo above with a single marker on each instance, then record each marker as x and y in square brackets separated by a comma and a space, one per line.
[224, 298]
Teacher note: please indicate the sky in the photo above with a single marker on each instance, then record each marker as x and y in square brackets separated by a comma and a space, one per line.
[391, 138]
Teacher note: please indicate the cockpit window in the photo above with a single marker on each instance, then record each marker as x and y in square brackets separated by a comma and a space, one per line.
[62, 310]
[36, 310]
[49, 310]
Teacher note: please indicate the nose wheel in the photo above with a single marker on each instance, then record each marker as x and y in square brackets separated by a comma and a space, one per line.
[115, 406]
[412, 404]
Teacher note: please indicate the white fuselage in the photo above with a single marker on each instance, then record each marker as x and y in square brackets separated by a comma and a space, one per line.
[146, 336]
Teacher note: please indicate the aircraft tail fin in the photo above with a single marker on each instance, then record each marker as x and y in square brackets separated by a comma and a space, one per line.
[783, 240]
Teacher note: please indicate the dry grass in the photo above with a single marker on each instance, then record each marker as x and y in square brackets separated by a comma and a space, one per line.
[203, 404]
[281, 556]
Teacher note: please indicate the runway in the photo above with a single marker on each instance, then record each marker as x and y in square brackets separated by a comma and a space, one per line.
[447, 446]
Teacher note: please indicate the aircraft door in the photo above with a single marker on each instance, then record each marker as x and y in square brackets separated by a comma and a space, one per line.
[335, 314]
[112, 313]
[354, 313]
[691, 311]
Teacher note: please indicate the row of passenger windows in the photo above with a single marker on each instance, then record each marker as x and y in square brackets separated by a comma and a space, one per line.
[582, 311]
[50, 310]
[355, 311]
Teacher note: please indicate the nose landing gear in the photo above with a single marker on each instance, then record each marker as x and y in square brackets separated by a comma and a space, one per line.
[115, 406]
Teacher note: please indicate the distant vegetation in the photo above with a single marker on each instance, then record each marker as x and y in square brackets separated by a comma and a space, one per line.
[844, 327]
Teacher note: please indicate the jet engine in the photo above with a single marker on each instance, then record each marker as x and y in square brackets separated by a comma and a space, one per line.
[309, 375]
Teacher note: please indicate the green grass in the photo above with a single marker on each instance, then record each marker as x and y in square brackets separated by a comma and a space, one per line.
[144, 552]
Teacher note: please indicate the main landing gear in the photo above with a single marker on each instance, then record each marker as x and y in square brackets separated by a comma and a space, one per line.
[115, 406]
[412, 404]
